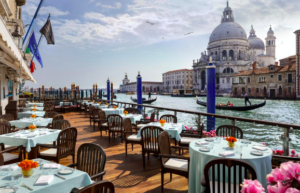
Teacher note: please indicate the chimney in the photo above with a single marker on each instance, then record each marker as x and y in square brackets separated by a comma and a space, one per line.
[290, 62]
[254, 66]
[276, 64]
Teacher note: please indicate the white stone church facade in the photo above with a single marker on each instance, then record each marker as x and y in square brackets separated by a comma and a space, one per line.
[231, 52]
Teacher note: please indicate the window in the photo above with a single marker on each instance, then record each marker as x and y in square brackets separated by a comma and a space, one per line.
[231, 55]
[280, 90]
[290, 90]
[249, 90]
[224, 55]
[271, 68]
[243, 90]
[248, 79]
[228, 70]
[290, 78]
[279, 77]
[217, 80]
[271, 76]
[262, 79]
[257, 90]
[242, 80]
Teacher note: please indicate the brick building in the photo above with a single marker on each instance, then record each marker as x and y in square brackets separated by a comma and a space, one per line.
[177, 79]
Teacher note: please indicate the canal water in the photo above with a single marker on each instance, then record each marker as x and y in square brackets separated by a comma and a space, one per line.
[274, 110]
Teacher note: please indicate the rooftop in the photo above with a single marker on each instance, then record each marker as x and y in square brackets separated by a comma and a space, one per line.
[265, 70]
[180, 70]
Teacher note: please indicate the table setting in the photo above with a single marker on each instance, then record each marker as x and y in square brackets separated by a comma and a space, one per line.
[65, 103]
[110, 111]
[28, 114]
[40, 175]
[132, 117]
[205, 150]
[25, 122]
[30, 108]
[32, 104]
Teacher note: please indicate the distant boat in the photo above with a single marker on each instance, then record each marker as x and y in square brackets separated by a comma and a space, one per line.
[144, 100]
[235, 108]
[130, 93]
[113, 96]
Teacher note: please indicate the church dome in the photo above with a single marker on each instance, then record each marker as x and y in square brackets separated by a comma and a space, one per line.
[228, 30]
[255, 42]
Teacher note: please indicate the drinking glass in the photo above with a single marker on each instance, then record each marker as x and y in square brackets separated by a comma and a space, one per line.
[237, 148]
[16, 175]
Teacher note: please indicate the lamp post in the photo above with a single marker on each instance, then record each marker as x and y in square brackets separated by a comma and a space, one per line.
[108, 90]
[211, 94]
[139, 91]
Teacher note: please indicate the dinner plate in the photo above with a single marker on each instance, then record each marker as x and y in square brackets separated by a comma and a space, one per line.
[209, 139]
[171, 128]
[8, 189]
[52, 130]
[245, 141]
[205, 149]
[66, 171]
[258, 153]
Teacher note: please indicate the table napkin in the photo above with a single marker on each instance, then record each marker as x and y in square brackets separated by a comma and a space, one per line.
[260, 148]
[227, 153]
[52, 166]
[202, 143]
[44, 180]
[17, 135]
[8, 167]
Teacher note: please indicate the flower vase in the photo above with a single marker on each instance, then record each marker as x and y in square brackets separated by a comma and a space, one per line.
[162, 124]
[230, 144]
[125, 114]
[32, 130]
[27, 173]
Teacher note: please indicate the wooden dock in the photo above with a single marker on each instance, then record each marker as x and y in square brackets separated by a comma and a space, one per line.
[126, 173]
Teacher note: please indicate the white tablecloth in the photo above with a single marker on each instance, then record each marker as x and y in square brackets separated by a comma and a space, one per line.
[37, 104]
[27, 114]
[25, 122]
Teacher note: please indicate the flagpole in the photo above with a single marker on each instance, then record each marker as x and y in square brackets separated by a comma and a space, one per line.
[39, 41]
[34, 17]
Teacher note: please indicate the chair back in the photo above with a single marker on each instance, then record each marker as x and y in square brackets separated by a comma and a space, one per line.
[99, 187]
[5, 121]
[50, 114]
[66, 142]
[96, 113]
[231, 171]
[112, 105]
[164, 145]
[133, 110]
[169, 118]
[115, 122]
[4, 128]
[229, 130]
[61, 124]
[101, 115]
[127, 126]
[57, 117]
[91, 159]
[8, 117]
[150, 138]
[91, 108]
[152, 116]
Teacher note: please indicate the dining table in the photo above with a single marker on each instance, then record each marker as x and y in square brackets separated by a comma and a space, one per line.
[59, 178]
[27, 114]
[133, 117]
[25, 122]
[65, 103]
[30, 108]
[174, 129]
[110, 111]
[29, 140]
[256, 155]
[32, 104]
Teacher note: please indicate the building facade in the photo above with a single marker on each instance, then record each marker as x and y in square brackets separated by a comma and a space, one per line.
[297, 64]
[271, 82]
[231, 52]
[14, 70]
[177, 79]
[148, 86]
[288, 60]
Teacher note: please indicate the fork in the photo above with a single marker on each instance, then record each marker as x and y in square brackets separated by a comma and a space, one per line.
[25, 186]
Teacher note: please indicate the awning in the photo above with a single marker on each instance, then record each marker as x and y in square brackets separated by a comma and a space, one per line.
[9, 47]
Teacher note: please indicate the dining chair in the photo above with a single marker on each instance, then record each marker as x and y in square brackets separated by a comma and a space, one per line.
[133, 111]
[57, 117]
[91, 158]
[66, 142]
[61, 124]
[143, 122]
[91, 108]
[103, 122]
[50, 114]
[87, 109]
[149, 136]
[172, 164]
[169, 118]
[8, 117]
[226, 175]
[99, 187]
[96, 118]
[130, 136]
[277, 160]
[5, 128]
[229, 130]
[115, 125]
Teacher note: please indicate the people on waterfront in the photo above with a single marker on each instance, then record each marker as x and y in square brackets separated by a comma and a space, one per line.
[229, 103]
[149, 95]
[246, 99]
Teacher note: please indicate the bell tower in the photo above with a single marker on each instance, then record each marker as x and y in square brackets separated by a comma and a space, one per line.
[271, 44]
[126, 80]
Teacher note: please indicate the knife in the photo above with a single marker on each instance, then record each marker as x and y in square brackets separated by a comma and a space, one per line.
[25, 186]
[59, 176]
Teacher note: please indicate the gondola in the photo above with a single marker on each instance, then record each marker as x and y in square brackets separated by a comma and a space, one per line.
[235, 108]
[144, 100]
[113, 96]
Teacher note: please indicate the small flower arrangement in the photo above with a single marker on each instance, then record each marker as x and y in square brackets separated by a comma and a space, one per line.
[32, 128]
[125, 113]
[231, 140]
[33, 116]
[252, 186]
[115, 107]
[211, 133]
[93, 101]
[34, 105]
[280, 152]
[88, 100]
[27, 166]
[99, 103]
[34, 109]
[35, 102]
[106, 104]
[162, 122]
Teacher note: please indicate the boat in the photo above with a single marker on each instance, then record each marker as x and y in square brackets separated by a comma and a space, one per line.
[182, 93]
[130, 93]
[235, 108]
[113, 96]
[144, 100]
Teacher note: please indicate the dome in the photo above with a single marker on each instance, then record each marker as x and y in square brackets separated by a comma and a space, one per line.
[256, 43]
[228, 30]
[270, 32]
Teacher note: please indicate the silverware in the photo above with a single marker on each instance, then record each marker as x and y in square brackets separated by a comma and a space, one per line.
[25, 186]
[59, 176]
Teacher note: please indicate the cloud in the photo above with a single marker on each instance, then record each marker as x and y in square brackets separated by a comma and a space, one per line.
[118, 5]
[30, 9]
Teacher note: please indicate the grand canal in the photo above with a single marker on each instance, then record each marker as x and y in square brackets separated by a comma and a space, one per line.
[274, 110]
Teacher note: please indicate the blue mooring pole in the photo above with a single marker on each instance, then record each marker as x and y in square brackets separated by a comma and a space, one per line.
[108, 90]
[139, 91]
[211, 94]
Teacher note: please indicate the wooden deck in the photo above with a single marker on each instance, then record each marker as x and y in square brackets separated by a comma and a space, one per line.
[126, 173]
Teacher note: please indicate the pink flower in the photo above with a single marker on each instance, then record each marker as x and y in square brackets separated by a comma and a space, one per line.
[270, 178]
[277, 175]
[293, 152]
[292, 190]
[252, 186]
[264, 143]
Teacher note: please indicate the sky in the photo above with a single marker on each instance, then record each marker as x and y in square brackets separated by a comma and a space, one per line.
[100, 39]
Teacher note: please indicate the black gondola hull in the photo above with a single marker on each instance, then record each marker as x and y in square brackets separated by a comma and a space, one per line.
[144, 101]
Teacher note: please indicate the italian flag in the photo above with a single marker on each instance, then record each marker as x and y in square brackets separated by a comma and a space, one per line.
[32, 65]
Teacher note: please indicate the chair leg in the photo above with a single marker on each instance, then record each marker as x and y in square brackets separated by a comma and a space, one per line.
[143, 154]
[162, 181]
[132, 146]
[73, 158]
[108, 136]
[148, 156]
[170, 176]
[126, 149]
[94, 126]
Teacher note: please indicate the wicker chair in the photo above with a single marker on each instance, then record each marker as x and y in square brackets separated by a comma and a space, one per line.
[171, 163]
[57, 117]
[229, 130]
[169, 118]
[150, 141]
[279, 159]
[8, 117]
[130, 136]
[50, 114]
[215, 171]
[143, 122]
[96, 118]
[103, 122]
[66, 142]
[5, 128]
[115, 125]
[86, 109]
[103, 187]
[91, 159]
[91, 108]
[133, 110]
[61, 124]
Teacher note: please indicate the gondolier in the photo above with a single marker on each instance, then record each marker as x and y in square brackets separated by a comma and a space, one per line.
[246, 99]
[149, 95]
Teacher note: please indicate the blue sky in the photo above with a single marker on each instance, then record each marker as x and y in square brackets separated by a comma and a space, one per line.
[100, 39]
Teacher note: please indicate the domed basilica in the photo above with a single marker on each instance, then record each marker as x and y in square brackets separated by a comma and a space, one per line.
[231, 52]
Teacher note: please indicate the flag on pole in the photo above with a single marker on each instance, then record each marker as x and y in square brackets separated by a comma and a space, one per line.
[46, 30]
[32, 67]
[33, 47]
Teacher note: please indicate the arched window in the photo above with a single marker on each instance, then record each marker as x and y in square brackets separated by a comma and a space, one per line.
[224, 55]
[228, 70]
[231, 55]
